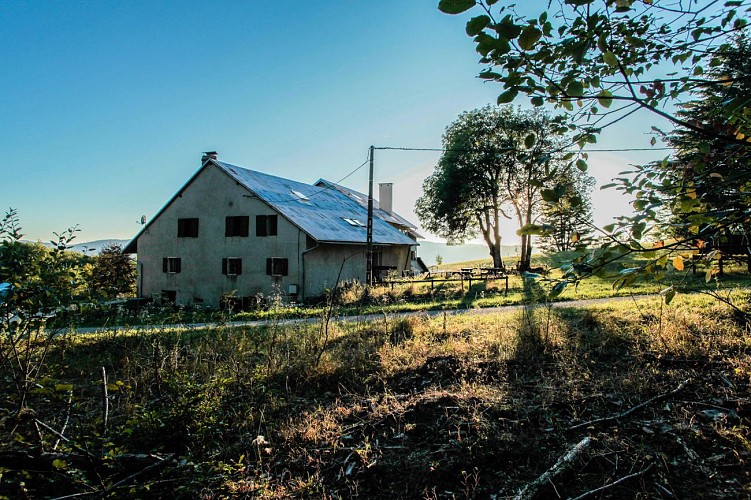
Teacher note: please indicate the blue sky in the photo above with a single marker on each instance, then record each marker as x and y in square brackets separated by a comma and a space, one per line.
[108, 105]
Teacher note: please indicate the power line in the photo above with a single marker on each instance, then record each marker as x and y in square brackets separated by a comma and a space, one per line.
[393, 148]
[327, 188]
[397, 148]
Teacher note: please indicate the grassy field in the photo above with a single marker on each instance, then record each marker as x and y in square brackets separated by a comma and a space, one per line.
[456, 406]
[408, 295]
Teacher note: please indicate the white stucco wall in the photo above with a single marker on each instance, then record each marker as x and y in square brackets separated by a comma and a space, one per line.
[211, 197]
[324, 264]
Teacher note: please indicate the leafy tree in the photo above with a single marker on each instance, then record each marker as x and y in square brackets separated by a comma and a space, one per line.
[599, 61]
[569, 220]
[708, 180]
[113, 274]
[495, 165]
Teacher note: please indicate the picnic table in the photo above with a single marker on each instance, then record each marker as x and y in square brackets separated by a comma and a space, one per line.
[492, 272]
[464, 274]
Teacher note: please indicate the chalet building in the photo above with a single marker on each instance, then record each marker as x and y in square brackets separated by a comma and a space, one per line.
[230, 231]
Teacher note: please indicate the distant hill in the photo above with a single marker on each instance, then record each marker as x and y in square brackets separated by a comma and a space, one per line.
[94, 247]
[428, 250]
[90, 247]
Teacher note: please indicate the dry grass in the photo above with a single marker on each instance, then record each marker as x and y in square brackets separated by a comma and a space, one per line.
[453, 406]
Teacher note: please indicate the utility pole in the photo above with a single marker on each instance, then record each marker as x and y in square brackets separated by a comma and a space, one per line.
[369, 247]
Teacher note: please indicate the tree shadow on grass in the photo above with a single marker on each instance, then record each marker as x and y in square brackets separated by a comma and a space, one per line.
[473, 294]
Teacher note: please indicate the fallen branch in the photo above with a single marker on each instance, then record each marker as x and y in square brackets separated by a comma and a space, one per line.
[614, 483]
[61, 435]
[22, 460]
[630, 410]
[531, 489]
[105, 403]
[158, 465]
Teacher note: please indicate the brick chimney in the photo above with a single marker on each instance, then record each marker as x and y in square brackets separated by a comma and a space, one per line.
[209, 155]
[386, 196]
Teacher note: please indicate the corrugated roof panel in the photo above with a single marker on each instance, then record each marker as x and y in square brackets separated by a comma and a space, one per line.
[362, 199]
[320, 211]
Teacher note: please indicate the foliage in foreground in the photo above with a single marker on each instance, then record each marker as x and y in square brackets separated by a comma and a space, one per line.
[445, 407]
[598, 62]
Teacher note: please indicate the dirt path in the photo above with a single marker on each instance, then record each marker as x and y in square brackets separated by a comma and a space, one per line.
[348, 318]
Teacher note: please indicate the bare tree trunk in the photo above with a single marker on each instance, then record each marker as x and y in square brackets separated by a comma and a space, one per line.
[526, 257]
[494, 242]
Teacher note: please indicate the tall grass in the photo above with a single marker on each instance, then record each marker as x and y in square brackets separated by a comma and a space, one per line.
[387, 408]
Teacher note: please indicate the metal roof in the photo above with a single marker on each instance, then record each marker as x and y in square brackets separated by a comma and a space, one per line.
[324, 212]
[362, 199]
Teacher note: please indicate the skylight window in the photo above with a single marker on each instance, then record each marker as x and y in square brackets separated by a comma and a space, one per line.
[353, 222]
[300, 196]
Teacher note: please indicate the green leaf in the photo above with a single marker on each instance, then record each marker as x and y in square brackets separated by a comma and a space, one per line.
[487, 43]
[581, 165]
[59, 463]
[477, 24]
[638, 229]
[557, 289]
[507, 96]
[549, 195]
[610, 59]
[579, 51]
[537, 101]
[507, 28]
[575, 89]
[531, 229]
[602, 42]
[529, 141]
[668, 294]
[455, 6]
[529, 37]
[605, 98]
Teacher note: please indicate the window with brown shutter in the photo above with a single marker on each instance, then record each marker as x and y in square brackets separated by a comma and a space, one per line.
[232, 266]
[236, 225]
[171, 265]
[266, 225]
[276, 266]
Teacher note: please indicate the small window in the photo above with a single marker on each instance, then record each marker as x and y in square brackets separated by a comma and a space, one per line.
[300, 196]
[277, 267]
[171, 265]
[232, 266]
[353, 222]
[266, 225]
[236, 225]
[187, 228]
